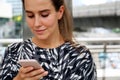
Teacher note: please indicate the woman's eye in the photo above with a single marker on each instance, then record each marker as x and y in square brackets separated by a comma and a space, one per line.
[45, 15]
[31, 16]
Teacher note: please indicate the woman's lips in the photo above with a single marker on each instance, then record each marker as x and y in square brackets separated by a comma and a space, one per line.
[40, 31]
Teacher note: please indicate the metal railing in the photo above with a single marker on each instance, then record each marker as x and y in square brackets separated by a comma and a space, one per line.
[2, 41]
[101, 44]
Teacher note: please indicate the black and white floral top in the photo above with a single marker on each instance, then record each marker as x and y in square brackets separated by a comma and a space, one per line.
[62, 63]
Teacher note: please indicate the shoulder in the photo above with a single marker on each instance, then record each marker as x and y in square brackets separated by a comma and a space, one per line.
[81, 48]
[78, 48]
[14, 50]
[16, 47]
[82, 56]
[19, 44]
[81, 52]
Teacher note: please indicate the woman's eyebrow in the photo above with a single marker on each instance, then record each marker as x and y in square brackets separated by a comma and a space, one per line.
[46, 10]
[27, 11]
[41, 11]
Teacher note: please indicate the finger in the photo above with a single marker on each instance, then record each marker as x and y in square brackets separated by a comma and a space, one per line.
[44, 73]
[36, 72]
[23, 72]
[40, 76]
[25, 69]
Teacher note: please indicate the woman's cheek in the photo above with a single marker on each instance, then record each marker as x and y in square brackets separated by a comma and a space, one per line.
[30, 22]
[50, 22]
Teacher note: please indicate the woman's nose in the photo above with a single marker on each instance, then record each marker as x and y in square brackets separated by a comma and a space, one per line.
[37, 22]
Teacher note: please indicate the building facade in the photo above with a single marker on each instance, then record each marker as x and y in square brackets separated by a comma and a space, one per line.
[16, 5]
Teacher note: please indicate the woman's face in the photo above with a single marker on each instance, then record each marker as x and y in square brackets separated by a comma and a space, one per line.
[42, 18]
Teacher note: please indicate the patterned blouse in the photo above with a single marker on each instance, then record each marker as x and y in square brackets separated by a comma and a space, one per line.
[62, 63]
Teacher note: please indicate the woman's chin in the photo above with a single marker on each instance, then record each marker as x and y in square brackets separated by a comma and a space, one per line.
[42, 37]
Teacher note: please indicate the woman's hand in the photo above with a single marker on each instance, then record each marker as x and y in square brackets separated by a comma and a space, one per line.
[29, 73]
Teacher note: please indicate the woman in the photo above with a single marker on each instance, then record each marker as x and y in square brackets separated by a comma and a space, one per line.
[52, 46]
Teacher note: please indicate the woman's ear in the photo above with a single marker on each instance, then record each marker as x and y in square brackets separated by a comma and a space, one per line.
[60, 12]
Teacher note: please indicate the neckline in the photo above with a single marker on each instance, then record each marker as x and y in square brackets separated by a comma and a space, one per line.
[63, 44]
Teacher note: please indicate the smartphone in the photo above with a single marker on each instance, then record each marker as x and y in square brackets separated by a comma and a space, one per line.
[30, 62]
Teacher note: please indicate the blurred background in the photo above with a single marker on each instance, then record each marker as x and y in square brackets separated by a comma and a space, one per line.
[96, 25]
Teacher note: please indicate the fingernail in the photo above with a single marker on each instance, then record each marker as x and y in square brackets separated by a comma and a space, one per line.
[31, 68]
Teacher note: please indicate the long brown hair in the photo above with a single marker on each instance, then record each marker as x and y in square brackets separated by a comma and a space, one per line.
[65, 23]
